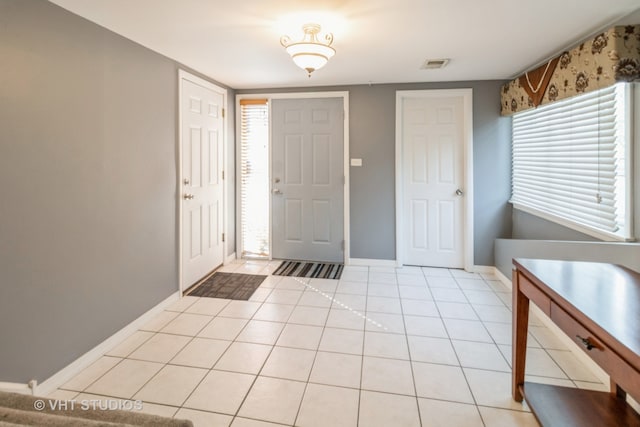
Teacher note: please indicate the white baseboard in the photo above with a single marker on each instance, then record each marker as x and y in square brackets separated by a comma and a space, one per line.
[372, 262]
[230, 259]
[75, 367]
[504, 279]
[482, 269]
[485, 269]
[16, 388]
[568, 342]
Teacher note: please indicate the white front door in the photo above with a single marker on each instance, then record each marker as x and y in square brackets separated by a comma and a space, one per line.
[432, 147]
[308, 179]
[201, 186]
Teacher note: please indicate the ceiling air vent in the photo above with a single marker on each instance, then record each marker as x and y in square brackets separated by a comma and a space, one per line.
[432, 64]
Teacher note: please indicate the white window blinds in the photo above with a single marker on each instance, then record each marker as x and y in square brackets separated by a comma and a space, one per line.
[254, 179]
[567, 162]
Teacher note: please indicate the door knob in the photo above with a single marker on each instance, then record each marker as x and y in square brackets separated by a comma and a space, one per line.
[459, 192]
[186, 181]
[189, 196]
[276, 191]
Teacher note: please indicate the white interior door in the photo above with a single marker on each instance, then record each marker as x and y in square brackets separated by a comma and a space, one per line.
[201, 186]
[432, 177]
[307, 176]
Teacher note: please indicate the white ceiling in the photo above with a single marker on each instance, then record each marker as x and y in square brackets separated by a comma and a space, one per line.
[377, 41]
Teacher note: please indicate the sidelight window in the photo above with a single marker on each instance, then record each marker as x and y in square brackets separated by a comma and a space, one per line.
[254, 177]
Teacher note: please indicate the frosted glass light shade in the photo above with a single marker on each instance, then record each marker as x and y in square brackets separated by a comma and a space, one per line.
[310, 54]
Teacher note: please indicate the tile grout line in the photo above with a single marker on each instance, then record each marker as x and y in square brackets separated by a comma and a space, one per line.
[308, 381]
[164, 365]
[315, 356]
[244, 399]
[464, 373]
[221, 356]
[413, 374]
[366, 301]
[193, 338]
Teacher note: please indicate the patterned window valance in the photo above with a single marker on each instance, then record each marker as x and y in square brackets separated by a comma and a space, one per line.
[610, 57]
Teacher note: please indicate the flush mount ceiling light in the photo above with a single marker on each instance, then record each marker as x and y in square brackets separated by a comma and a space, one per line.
[310, 54]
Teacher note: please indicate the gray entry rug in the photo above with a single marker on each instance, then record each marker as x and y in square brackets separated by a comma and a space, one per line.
[228, 285]
[316, 270]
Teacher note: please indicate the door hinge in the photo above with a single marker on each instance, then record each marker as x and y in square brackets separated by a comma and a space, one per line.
[222, 174]
[344, 179]
[223, 113]
[223, 237]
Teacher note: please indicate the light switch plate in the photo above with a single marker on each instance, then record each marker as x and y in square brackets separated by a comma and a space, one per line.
[356, 162]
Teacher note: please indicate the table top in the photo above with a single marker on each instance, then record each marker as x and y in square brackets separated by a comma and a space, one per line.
[608, 296]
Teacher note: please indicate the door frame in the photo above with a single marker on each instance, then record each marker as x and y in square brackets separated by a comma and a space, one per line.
[185, 75]
[295, 95]
[467, 161]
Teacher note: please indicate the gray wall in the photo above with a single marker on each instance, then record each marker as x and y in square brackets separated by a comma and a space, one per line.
[88, 165]
[372, 137]
[627, 254]
[527, 226]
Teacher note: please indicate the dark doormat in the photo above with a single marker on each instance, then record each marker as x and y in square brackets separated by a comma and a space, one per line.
[228, 285]
[319, 270]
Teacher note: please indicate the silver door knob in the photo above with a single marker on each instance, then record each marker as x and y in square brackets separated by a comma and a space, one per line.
[459, 192]
[189, 196]
[276, 191]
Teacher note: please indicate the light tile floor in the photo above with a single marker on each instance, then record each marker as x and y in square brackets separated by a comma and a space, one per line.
[381, 347]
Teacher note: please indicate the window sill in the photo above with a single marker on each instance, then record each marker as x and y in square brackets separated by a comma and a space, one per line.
[598, 234]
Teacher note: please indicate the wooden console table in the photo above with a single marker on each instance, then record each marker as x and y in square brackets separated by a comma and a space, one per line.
[598, 305]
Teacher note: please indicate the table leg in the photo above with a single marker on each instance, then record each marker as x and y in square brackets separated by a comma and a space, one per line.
[617, 391]
[519, 343]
